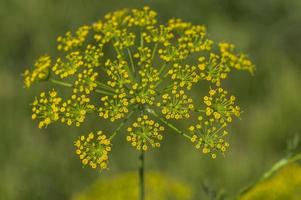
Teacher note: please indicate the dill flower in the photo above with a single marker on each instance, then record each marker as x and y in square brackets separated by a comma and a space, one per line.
[176, 105]
[128, 67]
[115, 108]
[145, 132]
[74, 110]
[208, 136]
[39, 73]
[69, 67]
[70, 41]
[221, 107]
[86, 81]
[93, 150]
[46, 108]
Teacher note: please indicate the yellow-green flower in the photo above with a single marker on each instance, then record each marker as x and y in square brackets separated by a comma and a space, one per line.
[86, 81]
[69, 67]
[220, 106]
[128, 64]
[93, 150]
[114, 108]
[208, 136]
[75, 109]
[145, 132]
[176, 105]
[46, 108]
[39, 73]
[70, 41]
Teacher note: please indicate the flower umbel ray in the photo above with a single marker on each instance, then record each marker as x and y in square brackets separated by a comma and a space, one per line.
[146, 80]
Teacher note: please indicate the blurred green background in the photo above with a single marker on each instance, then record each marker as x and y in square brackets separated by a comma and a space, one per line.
[41, 164]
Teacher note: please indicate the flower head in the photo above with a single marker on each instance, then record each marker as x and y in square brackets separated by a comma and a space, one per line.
[39, 73]
[70, 41]
[69, 67]
[176, 105]
[46, 108]
[115, 108]
[93, 150]
[145, 132]
[127, 64]
[220, 106]
[74, 110]
[86, 81]
[208, 136]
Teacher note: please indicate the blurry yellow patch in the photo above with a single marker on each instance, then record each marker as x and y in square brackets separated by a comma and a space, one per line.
[125, 187]
[284, 185]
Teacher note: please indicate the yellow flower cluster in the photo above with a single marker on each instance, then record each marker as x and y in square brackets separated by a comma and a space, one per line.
[93, 150]
[118, 73]
[238, 61]
[70, 41]
[39, 73]
[213, 70]
[208, 136]
[143, 55]
[92, 55]
[220, 107]
[142, 94]
[86, 81]
[46, 108]
[129, 63]
[160, 35]
[143, 132]
[176, 105]
[216, 68]
[125, 40]
[69, 67]
[114, 108]
[184, 76]
[143, 17]
[75, 109]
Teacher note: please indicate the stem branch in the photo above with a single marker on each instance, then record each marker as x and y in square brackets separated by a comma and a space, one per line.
[168, 124]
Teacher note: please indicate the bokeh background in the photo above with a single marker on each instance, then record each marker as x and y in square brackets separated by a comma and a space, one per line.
[41, 164]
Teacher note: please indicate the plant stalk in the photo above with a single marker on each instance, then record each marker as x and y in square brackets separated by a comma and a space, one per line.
[141, 176]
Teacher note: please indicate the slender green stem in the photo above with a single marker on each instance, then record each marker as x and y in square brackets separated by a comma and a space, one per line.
[131, 59]
[104, 86]
[163, 67]
[121, 125]
[199, 110]
[141, 38]
[60, 83]
[154, 51]
[70, 85]
[168, 124]
[104, 92]
[141, 176]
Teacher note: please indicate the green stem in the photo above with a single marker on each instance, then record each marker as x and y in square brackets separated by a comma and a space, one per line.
[61, 83]
[199, 110]
[168, 124]
[121, 125]
[104, 92]
[141, 38]
[104, 86]
[70, 85]
[163, 67]
[154, 51]
[131, 59]
[141, 176]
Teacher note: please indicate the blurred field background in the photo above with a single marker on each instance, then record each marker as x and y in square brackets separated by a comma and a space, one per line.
[41, 164]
